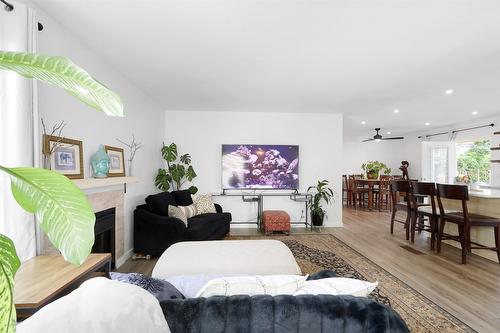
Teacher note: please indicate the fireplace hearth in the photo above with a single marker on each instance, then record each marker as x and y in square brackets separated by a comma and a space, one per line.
[104, 232]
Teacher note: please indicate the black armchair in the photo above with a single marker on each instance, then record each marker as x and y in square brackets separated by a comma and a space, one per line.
[154, 231]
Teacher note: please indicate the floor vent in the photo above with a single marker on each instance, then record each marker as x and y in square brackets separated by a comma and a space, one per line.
[412, 250]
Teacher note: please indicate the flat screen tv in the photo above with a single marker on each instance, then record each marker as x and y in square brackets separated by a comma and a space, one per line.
[260, 167]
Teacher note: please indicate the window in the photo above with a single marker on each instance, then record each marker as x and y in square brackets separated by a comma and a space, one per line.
[439, 164]
[474, 161]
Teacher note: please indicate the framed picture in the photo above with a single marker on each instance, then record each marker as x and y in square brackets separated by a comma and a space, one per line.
[66, 155]
[116, 161]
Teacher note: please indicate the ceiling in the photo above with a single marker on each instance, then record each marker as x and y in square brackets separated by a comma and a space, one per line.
[360, 58]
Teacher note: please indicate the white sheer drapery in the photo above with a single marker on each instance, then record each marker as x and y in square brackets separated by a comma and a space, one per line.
[16, 126]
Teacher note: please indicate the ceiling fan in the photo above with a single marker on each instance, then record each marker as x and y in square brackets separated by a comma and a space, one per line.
[377, 137]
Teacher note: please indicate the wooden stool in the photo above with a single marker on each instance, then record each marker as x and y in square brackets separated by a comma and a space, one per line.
[276, 220]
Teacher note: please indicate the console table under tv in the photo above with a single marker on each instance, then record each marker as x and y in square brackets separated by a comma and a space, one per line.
[259, 197]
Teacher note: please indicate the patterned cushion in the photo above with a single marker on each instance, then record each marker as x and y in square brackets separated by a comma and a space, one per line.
[189, 211]
[203, 203]
[176, 212]
[160, 289]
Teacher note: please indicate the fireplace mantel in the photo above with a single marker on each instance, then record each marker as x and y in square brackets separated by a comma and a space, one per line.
[102, 194]
[92, 183]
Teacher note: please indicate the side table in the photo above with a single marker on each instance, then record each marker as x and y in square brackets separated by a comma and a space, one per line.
[43, 279]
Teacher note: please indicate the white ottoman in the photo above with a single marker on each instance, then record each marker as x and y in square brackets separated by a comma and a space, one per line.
[245, 257]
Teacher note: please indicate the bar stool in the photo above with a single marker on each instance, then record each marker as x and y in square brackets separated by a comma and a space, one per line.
[464, 220]
[420, 210]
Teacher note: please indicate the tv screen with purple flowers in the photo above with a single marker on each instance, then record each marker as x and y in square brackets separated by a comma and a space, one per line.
[260, 167]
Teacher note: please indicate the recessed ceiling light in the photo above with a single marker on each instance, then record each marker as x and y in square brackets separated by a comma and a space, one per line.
[396, 111]
[388, 132]
[427, 124]
[363, 122]
[475, 112]
[448, 91]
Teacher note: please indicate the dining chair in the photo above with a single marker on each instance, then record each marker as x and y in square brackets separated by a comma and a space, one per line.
[384, 192]
[420, 191]
[358, 192]
[346, 192]
[464, 221]
[398, 189]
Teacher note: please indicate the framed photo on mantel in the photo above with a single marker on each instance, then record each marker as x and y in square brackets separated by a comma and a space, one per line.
[66, 155]
[116, 161]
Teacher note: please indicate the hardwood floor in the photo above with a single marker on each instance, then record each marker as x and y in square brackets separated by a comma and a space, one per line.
[470, 292]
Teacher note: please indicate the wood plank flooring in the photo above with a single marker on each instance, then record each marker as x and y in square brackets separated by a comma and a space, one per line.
[470, 292]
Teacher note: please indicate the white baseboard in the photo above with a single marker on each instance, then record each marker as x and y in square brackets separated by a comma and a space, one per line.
[120, 261]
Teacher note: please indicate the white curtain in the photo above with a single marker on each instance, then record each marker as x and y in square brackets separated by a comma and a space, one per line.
[17, 33]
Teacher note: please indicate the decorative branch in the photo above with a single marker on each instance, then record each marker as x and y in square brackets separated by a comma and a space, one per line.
[133, 146]
[57, 130]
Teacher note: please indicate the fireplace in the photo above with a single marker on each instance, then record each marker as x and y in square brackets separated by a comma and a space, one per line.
[104, 231]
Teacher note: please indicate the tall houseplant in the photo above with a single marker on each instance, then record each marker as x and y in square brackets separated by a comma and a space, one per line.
[179, 170]
[60, 206]
[321, 192]
[373, 168]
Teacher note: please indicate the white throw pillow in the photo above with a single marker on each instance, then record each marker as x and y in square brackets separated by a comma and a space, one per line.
[99, 305]
[337, 286]
[190, 285]
[204, 203]
[189, 211]
[174, 211]
[253, 285]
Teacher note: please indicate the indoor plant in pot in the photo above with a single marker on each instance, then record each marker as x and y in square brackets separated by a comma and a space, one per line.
[373, 168]
[321, 192]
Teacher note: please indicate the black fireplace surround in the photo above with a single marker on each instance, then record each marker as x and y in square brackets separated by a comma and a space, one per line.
[104, 233]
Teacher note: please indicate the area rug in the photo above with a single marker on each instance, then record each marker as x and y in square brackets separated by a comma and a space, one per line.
[316, 252]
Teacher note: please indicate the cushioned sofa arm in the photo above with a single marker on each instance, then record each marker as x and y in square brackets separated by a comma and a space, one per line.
[284, 313]
[218, 208]
[154, 233]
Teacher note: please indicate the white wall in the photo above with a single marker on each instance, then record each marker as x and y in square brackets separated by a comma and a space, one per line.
[410, 149]
[319, 136]
[391, 153]
[143, 117]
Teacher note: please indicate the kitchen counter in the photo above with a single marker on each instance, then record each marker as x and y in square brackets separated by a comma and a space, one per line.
[485, 193]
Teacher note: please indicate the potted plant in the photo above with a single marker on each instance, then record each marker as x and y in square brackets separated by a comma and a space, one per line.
[320, 192]
[373, 168]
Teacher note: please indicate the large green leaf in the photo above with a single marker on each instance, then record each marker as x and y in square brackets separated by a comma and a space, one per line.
[169, 153]
[163, 180]
[9, 263]
[63, 73]
[64, 213]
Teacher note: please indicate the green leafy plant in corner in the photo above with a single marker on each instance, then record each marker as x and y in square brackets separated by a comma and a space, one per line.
[60, 206]
[320, 193]
[373, 168]
[179, 170]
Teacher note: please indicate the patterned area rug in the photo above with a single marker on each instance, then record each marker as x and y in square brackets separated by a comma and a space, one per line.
[316, 252]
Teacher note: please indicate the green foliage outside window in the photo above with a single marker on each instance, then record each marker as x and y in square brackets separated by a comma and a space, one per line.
[475, 161]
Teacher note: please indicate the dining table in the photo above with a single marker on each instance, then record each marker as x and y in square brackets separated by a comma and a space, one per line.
[370, 184]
